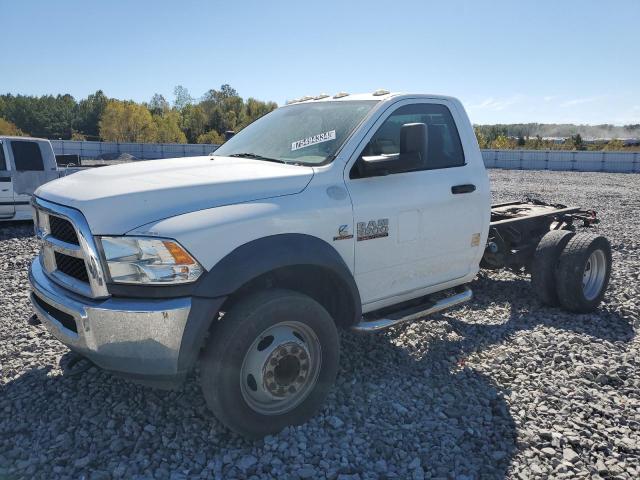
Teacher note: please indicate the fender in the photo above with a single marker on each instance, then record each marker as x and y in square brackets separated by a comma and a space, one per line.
[248, 262]
[270, 253]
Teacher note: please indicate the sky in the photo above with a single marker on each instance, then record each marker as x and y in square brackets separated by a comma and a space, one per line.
[508, 61]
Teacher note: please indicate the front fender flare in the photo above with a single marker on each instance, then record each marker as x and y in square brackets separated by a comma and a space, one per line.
[266, 254]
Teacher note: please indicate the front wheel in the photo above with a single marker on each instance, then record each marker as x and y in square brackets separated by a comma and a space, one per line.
[270, 362]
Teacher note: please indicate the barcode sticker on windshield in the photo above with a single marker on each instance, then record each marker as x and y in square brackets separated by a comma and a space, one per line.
[315, 139]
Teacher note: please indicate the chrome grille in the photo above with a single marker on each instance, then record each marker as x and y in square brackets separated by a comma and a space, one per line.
[69, 254]
[74, 267]
[63, 230]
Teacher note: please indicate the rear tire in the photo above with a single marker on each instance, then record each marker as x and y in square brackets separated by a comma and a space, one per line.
[545, 262]
[270, 362]
[583, 272]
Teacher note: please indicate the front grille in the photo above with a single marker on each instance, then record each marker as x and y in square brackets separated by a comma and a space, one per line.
[64, 318]
[63, 230]
[68, 249]
[74, 267]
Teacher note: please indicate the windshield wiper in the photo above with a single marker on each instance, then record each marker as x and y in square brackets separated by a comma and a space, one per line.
[255, 156]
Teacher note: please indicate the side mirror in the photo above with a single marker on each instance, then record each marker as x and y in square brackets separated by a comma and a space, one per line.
[412, 155]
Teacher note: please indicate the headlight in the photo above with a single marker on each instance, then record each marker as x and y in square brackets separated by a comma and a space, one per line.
[145, 260]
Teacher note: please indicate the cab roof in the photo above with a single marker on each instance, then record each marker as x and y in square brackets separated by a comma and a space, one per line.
[378, 95]
[15, 137]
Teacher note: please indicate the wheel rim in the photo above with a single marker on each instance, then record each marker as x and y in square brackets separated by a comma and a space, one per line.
[594, 274]
[280, 368]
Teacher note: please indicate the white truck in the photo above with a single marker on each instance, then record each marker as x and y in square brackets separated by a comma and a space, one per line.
[351, 211]
[25, 164]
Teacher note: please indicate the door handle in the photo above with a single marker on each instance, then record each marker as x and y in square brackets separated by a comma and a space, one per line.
[467, 188]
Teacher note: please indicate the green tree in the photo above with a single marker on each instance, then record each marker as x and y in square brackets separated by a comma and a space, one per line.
[253, 110]
[575, 142]
[8, 128]
[182, 98]
[89, 112]
[158, 105]
[168, 128]
[534, 143]
[224, 109]
[127, 122]
[211, 137]
[193, 122]
[482, 140]
[45, 116]
[502, 143]
[614, 144]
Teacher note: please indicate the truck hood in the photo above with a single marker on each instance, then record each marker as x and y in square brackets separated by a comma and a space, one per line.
[118, 198]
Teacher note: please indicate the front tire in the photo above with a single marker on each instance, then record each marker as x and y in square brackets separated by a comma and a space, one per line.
[270, 362]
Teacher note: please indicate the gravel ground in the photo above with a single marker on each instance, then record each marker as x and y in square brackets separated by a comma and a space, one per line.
[502, 387]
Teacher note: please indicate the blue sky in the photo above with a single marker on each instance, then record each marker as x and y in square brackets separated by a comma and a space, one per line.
[508, 61]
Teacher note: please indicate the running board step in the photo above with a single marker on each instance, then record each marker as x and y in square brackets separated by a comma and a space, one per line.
[414, 313]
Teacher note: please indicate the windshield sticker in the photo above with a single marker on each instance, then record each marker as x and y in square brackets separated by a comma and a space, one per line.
[315, 139]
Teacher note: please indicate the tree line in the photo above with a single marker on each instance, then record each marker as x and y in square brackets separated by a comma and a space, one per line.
[98, 117]
[564, 137]
[205, 120]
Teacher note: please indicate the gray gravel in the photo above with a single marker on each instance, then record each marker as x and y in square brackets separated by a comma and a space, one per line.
[502, 387]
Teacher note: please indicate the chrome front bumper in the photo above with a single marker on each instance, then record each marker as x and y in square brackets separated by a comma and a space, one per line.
[137, 337]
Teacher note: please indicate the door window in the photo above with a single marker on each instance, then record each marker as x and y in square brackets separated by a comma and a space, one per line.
[27, 156]
[444, 148]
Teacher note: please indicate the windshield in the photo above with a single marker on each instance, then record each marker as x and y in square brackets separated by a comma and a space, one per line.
[307, 133]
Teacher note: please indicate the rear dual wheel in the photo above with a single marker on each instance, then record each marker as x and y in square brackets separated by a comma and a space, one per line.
[583, 272]
[270, 362]
[571, 270]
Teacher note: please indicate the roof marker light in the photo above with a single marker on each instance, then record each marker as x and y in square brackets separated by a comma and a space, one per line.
[321, 96]
[381, 91]
[306, 97]
[340, 95]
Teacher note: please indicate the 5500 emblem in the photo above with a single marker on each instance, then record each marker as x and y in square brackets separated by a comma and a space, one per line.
[373, 229]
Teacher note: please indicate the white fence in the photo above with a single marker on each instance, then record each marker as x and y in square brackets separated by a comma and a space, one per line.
[565, 160]
[144, 151]
[580, 161]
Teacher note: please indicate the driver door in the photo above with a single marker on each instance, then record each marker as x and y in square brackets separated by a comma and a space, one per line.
[414, 230]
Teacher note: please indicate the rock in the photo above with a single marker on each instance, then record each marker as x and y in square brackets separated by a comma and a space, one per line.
[306, 472]
[398, 407]
[247, 462]
[83, 462]
[498, 455]
[601, 467]
[335, 422]
[548, 451]
[569, 455]
[536, 468]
